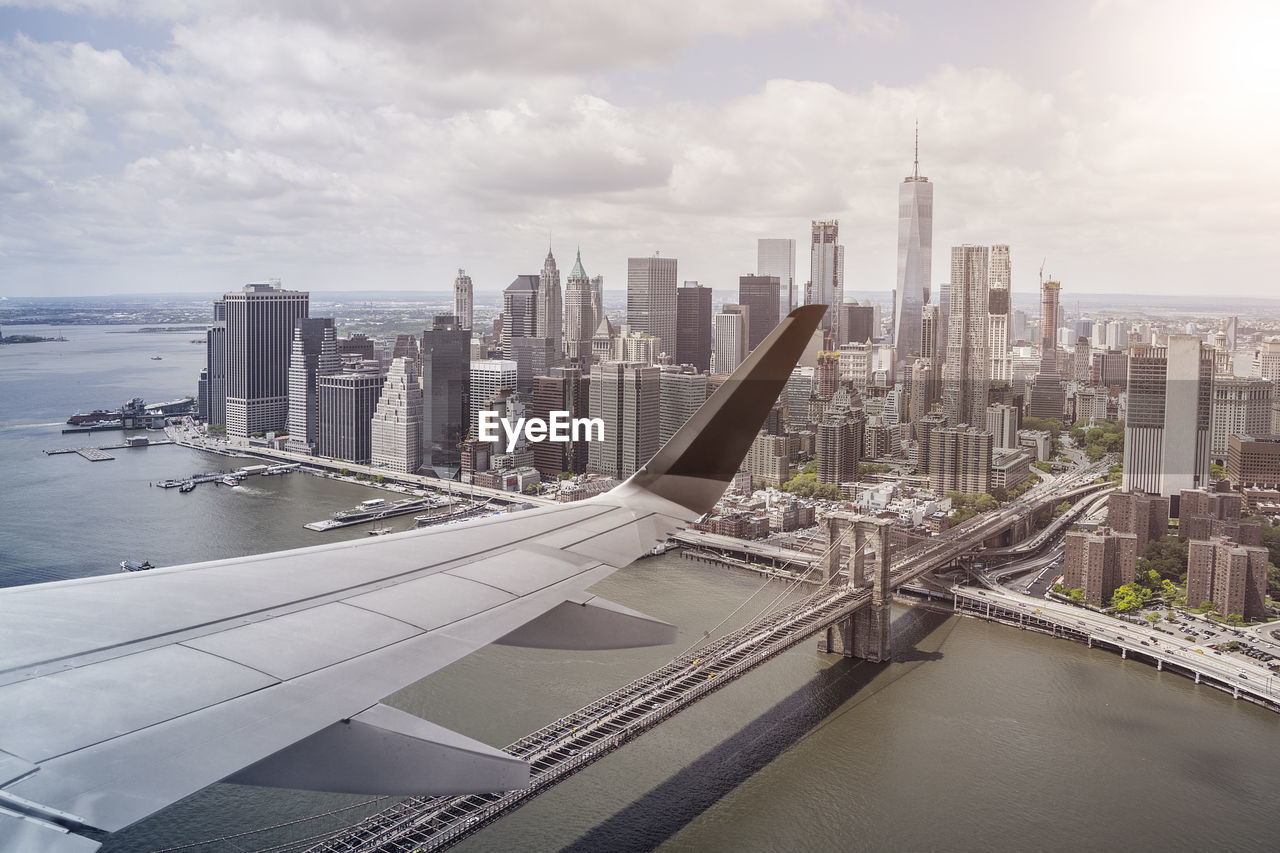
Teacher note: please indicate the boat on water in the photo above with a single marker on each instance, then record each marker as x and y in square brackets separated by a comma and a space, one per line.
[95, 417]
[231, 480]
[379, 531]
[157, 358]
[135, 566]
[376, 509]
[460, 514]
[188, 486]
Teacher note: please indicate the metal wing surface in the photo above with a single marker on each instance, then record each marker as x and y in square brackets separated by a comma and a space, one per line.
[122, 694]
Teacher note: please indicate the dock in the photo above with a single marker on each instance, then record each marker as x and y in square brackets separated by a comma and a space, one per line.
[99, 454]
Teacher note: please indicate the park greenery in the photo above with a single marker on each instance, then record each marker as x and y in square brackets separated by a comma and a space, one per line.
[966, 506]
[1146, 584]
[806, 485]
[1167, 557]
[1100, 439]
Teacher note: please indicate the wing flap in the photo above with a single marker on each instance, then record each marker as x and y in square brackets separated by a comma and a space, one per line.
[386, 751]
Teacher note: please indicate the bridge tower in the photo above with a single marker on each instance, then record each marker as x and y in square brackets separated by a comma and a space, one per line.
[865, 634]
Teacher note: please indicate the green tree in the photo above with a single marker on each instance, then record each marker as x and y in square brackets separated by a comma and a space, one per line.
[564, 475]
[1207, 606]
[1217, 472]
[1076, 595]
[1170, 616]
[1167, 556]
[1153, 618]
[1129, 598]
[1235, 619]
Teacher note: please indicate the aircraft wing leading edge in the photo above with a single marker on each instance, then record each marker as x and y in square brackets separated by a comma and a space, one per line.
[122, 694]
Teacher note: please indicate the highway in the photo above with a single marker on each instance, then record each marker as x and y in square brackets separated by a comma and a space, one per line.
[1166, 648]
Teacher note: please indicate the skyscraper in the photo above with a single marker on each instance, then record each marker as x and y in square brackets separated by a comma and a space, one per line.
[396, 429]
[999, 315]
[519, 311]
[826, 270]
[215, 338]
[1050, 319]
[260, 320]
[693, 325]
[651, 298]
[682, 393]
[1167, 429]
[778, 257]
[627, 398]
[446, 369]
[932, 331]
[549, 321]
[915, 258]
[463, 299]
[729, 338]
[1266, 363]
[488, 377]
[347, 404]
[857, 323]
[565, 390]
[959, 459]
[313, 353]
[760, 294]
[964, 389]
[1241, 406]
[580, 320]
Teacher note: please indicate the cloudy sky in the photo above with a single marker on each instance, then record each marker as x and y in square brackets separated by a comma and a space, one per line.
[193, 145]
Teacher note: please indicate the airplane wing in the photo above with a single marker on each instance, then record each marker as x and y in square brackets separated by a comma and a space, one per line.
[122, 694]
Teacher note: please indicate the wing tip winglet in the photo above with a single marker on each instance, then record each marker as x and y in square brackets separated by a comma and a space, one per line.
[693, 468]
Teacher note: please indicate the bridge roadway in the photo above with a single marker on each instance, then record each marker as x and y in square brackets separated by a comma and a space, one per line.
[564, 747]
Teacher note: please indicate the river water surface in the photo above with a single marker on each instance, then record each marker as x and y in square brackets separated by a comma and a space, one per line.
[977, 736]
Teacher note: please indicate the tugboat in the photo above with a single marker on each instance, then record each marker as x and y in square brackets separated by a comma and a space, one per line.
[157, 358]
[135, 566]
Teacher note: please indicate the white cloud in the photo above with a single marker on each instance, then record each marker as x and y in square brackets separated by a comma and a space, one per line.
[321, 138]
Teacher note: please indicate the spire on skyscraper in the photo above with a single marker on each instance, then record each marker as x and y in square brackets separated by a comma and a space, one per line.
[915, 173]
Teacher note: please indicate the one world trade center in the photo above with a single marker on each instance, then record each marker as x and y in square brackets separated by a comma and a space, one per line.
[915, 249]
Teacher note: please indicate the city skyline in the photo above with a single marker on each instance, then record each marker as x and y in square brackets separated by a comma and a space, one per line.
[149, 156]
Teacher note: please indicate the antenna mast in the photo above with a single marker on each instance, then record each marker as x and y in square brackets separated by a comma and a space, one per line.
[916, 171]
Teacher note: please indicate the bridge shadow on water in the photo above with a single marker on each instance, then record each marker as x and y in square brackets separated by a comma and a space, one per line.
[668, 808]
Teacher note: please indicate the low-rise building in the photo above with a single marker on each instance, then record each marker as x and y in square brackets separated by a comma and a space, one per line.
[1010, 468]
[1253, 461]
[1038, 441]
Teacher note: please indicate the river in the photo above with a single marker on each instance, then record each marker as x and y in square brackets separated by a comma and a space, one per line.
[976, 737]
